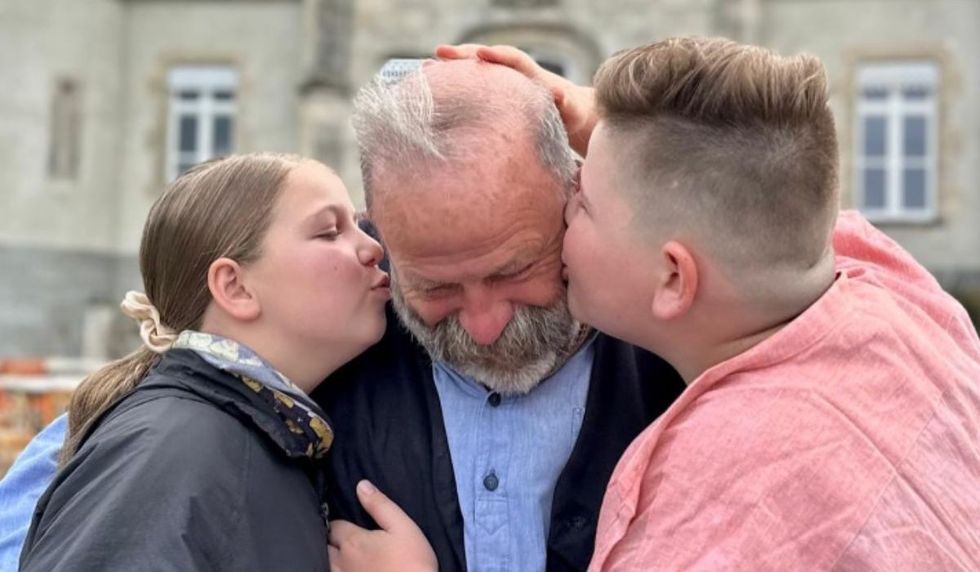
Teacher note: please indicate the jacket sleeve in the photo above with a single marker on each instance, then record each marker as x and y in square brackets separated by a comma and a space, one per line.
[165, 485]
[23, 485]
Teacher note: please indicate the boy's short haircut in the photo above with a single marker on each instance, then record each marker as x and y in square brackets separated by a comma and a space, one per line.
[731, 143]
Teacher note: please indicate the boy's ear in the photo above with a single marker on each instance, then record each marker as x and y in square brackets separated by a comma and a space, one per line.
[677, 282]
[230, 292]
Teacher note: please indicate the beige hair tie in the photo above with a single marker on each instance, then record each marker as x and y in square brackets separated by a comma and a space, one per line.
[156, 336]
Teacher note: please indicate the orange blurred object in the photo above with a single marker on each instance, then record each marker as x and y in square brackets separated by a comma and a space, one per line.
[23, 366]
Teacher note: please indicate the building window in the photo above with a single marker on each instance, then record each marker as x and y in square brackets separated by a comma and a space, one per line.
[896, 151]
[202, 115]
[65, 131]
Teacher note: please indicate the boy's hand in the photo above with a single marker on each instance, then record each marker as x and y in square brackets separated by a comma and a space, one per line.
[576, 103]
[399, 545]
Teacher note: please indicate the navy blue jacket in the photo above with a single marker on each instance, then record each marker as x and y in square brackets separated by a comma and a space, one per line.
[190, 471]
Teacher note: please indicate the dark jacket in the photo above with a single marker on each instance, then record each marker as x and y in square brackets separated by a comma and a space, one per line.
[388, 426]
[185, 473]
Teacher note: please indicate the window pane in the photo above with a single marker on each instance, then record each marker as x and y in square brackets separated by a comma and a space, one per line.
[915, 136]
[187, 133]
[188, 94]
[222, 135]
[224, 95]
[183, 167]
[874, 136]
[874, 189]
[914, 189]
[916, 92]
[875, 93]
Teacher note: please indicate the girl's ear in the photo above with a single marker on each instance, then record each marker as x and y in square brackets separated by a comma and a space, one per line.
[229, 291]
[677, 283]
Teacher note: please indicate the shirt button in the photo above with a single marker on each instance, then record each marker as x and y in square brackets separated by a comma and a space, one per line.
[490, 482]
[494, 399]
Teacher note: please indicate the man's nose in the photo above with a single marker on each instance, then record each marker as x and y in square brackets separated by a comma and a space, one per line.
[484, 317]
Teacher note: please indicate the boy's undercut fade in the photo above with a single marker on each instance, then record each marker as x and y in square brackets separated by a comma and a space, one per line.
[730, 139]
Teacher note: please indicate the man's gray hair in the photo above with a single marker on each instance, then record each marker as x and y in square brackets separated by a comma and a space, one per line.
[398, 123]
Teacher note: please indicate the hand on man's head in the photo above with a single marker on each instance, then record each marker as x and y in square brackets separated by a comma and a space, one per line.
[575, 103]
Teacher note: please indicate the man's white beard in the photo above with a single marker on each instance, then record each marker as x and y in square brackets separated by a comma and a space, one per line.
[531, 346]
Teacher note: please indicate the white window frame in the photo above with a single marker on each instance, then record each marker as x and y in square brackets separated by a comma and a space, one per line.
[206, 80]
[892, 78]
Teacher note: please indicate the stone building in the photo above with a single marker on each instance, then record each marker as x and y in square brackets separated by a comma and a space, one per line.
[104, 101]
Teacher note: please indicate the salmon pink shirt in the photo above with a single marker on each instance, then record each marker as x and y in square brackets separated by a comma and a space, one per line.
[849, 440]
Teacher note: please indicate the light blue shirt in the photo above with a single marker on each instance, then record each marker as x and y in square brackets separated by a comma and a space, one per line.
[23, 485]
[507, 455]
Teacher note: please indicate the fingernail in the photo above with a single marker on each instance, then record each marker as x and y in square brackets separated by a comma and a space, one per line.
[366, 488]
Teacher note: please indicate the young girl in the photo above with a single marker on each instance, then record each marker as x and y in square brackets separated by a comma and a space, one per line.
[202, 449]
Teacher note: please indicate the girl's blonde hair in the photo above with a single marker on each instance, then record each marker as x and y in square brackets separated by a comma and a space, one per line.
[220, 208]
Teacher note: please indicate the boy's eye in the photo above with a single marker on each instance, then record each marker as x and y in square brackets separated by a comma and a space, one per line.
[329, 235]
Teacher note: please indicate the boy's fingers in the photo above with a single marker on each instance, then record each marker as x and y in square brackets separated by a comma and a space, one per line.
[457, 52]
[559, 96]
[511, 57]
[500, 54]
[383, 510]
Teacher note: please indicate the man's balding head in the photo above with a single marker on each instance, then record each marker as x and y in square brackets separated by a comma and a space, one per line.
[454, 113]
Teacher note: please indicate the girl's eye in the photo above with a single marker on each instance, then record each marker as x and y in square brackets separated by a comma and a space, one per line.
[329, 235]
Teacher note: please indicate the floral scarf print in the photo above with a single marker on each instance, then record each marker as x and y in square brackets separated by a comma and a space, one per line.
[299, 413]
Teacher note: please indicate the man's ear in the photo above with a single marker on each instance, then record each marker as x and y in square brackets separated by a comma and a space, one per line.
[677, 282]
[229, 291]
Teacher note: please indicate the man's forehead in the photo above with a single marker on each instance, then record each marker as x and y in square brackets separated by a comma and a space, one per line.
[480, 250]
[476, 201]
[438, 271]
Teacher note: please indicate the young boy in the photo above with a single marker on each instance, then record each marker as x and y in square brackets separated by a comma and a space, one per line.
[832, 414]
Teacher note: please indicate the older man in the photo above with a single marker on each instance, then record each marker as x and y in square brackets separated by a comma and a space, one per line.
[496, 424]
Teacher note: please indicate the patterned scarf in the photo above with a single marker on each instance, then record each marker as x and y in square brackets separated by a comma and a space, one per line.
[301, 415]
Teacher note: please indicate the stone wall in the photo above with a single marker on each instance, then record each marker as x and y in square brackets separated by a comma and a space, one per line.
[51, 297]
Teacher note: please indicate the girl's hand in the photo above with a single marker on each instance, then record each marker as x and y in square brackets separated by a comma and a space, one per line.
[399, 545]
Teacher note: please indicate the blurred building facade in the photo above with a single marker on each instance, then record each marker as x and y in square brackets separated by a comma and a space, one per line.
[106, 100]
